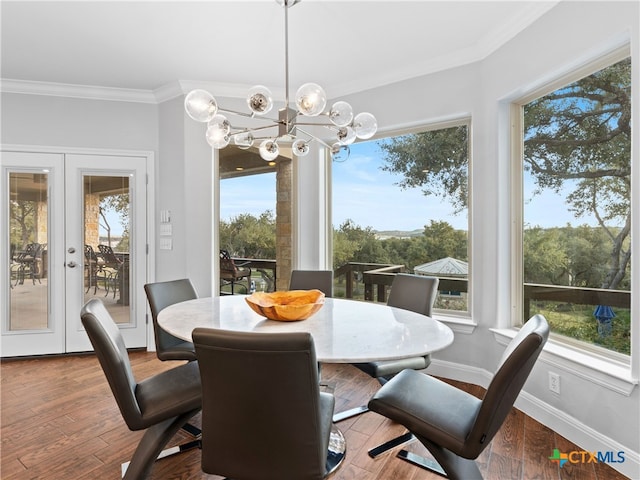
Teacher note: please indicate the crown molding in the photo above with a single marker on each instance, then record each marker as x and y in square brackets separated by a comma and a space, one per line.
[76, 91]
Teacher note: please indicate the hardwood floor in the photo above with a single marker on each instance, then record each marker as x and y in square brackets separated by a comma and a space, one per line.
[60, 421]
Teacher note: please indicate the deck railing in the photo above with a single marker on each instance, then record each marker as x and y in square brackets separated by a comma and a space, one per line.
[377, 278]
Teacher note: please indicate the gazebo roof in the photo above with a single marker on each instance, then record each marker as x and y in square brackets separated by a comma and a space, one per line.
[449, 267]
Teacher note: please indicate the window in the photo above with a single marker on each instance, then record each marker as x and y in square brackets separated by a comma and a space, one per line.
[575, 233]
[401, 204]
[247, 228]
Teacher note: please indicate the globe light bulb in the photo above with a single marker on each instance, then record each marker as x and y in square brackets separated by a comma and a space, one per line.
[340, 153]
[365, 125]
[243, 140]
[269, 150]
[260, 100]
[200, 105]
[341, 114]
[218, 131]
[311, 99]
[300, 147]
[346, 135]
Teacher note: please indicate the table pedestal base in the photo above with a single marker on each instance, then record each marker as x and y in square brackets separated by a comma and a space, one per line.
[337, 449]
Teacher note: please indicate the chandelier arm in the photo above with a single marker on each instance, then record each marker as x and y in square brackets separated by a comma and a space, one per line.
[245, 130]
[330, 126]
[245, 114]
[317, 139]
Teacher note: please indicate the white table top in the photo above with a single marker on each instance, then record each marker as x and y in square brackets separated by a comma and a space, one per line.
[344, 331]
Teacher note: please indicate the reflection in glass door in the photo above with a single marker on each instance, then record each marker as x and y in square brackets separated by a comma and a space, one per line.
[106, 243]
[32, 286]
[28, 239]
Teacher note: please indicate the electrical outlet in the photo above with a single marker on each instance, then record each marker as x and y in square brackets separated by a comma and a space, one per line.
[554, 382]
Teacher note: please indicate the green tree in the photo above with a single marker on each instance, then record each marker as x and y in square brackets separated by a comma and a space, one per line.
[23, 213]
[587, 253]
[582, 134]
[361, 242]
[436, 160]
[442, 240]
[248, 236]
[118, 203]
[545, 260]
[578, 136]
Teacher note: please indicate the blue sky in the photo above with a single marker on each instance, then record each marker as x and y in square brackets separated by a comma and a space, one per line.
[361, 192]
[367, 195]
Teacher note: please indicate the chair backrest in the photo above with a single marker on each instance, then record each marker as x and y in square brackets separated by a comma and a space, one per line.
[109, 256]
[109, 346]
[261, 405]
[160, 295]
[513, 370]
[31, 252]
[413, 292]
[312, 279]
[90, 254]
[33, 249]
[227, 265]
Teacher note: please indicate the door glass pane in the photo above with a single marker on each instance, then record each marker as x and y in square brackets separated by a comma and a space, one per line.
[28, 227]
[106, 243]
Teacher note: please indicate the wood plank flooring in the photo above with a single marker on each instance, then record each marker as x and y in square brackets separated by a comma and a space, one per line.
[60, 421]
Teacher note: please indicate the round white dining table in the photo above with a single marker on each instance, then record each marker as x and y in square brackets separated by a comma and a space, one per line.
[343, 331]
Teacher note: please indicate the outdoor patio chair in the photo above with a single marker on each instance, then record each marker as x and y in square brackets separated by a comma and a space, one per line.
[233, 274]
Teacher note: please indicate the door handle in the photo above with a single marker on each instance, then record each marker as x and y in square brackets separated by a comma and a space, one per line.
[71, 264]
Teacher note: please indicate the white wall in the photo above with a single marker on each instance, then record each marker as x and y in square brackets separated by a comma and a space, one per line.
[76, 122]
[589, 411]
[185, 188]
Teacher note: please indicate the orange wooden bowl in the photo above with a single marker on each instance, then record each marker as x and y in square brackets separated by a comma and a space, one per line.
[286, 306]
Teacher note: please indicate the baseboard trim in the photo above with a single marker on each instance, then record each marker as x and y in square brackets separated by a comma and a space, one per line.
[558, 421]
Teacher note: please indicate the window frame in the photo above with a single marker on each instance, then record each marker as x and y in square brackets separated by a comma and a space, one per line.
[609, 368]
[459, 320]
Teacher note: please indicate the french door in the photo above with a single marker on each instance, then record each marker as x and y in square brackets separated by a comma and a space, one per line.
[73, 228]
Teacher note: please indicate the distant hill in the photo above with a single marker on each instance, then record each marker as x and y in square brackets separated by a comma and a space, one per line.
[384, 234]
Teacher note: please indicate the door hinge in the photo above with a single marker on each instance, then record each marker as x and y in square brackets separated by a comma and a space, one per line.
[146, 318]
[147, 249]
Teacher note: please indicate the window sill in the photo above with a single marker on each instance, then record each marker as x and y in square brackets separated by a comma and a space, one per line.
[457, 324]
[615, 376]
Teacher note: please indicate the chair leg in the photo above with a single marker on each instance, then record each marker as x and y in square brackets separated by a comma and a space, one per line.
[446, 463]
[338, 417]
[192, 430]
[352, 412]
[152, 443]
[389, 444]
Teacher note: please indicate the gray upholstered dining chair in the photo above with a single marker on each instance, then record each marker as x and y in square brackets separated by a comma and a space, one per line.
[264, 426]
[161, 295]
[309, 279]
[452, 424]
[160, 404]
[410, 292]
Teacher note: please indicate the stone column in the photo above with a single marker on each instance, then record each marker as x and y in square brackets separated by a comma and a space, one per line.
[284, 216]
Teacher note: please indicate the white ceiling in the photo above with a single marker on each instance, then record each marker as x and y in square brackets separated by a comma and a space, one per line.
[345, 46]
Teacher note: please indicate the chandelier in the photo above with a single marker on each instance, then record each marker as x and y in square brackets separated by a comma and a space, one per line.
[289, 128]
